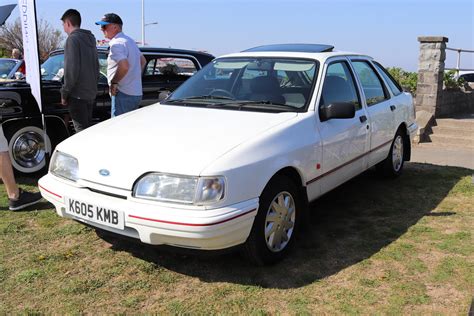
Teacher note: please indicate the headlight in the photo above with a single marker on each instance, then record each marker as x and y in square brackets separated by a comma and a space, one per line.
[64, 166]
[180, 189]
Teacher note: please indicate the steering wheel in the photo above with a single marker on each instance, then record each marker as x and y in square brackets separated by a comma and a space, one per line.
[222, 92]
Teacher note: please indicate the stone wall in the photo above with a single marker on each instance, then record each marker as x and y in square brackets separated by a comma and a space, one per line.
[430, 95]
[455, 102]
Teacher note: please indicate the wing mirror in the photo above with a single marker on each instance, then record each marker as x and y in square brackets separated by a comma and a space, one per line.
[339, 110]
[19, 75]
[163, 95]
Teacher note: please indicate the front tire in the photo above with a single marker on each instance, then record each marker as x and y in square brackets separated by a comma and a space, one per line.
[276, 224]
[27, 149]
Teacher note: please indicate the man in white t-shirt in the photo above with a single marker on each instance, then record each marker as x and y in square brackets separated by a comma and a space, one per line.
[125, 65]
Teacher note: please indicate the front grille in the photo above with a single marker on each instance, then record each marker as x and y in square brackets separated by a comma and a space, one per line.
[109, 194]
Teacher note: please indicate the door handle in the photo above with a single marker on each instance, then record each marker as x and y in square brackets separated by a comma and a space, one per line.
[393, 108]
[363, 118]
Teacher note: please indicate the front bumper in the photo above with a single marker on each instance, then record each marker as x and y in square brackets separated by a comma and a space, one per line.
[157, 223]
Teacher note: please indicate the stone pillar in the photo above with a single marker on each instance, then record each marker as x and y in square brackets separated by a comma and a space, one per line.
[430, 73]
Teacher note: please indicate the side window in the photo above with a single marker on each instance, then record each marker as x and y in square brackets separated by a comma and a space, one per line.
[169, 66]
[103, 68]
[150, 67]
[392, 84]
[373, 87]
[339, 86]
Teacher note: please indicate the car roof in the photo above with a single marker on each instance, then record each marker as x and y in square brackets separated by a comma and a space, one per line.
[202, 57]
[320, 52]
[302, 48]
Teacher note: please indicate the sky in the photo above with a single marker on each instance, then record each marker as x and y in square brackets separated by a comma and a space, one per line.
[384, 29]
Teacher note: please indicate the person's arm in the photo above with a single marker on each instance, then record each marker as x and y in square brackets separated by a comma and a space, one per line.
[72, 63]
[122, 69]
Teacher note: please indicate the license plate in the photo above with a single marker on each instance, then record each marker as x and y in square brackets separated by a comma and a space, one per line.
[94, 213]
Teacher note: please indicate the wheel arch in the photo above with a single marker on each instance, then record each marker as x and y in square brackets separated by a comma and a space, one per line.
[27, 160]
[53, 123]
[293, 174]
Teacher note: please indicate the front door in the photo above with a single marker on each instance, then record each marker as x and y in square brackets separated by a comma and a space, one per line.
[344, 141]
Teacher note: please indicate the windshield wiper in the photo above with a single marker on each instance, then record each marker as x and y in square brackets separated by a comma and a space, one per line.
[265, 104]
[202, 97]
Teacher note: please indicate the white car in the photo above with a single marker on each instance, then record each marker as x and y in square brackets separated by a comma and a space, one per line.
[235, 154]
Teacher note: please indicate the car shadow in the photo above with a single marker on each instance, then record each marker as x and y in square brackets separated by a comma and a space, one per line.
[346, 226]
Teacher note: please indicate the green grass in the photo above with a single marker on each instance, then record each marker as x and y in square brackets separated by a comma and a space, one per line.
[372, 246]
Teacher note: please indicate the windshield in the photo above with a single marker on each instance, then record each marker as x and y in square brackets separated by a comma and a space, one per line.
[53, 68]
[6, 66]
[244, 83]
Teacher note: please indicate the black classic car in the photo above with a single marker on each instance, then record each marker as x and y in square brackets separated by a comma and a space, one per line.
[165, 70]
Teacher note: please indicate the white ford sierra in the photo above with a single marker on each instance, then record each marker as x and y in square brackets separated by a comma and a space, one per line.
[235, 154]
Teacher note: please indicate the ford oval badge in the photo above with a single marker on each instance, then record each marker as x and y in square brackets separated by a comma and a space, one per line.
[104, 172]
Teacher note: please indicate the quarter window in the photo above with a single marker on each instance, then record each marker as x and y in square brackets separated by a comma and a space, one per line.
[373, 87]
[392, 84]
[339, 86]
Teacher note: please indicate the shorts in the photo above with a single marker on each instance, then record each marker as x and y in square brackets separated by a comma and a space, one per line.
[3, 140]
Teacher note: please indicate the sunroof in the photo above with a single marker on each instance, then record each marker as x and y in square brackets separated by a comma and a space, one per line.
[301, 48]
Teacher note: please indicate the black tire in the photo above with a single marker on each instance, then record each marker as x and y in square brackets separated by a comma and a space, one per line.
[26, 146]
[257, 247]
[392, 166]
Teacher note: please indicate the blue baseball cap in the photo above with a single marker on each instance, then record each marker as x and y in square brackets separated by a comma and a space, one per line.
[110, 18]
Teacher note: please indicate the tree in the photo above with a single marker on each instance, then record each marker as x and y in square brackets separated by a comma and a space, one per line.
[49, 39]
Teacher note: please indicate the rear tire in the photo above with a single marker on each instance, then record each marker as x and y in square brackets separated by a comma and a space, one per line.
[392, 166]
[276, 224]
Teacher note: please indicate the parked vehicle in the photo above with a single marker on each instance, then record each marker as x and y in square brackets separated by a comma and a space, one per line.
[166, 69]
[235, 154]
[11, 69]
[468, 77]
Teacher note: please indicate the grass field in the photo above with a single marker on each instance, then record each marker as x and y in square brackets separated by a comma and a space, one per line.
[373, 246]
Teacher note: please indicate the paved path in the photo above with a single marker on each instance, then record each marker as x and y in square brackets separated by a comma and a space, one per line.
[443, 156]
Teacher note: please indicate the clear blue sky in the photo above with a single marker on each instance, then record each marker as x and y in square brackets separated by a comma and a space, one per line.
[384, 29]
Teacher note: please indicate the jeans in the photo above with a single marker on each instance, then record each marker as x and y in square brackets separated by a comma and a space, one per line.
[123, 103]
[81, 113]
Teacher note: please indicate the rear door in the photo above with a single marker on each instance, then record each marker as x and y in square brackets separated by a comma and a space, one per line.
[345, 141]
[379, 107]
